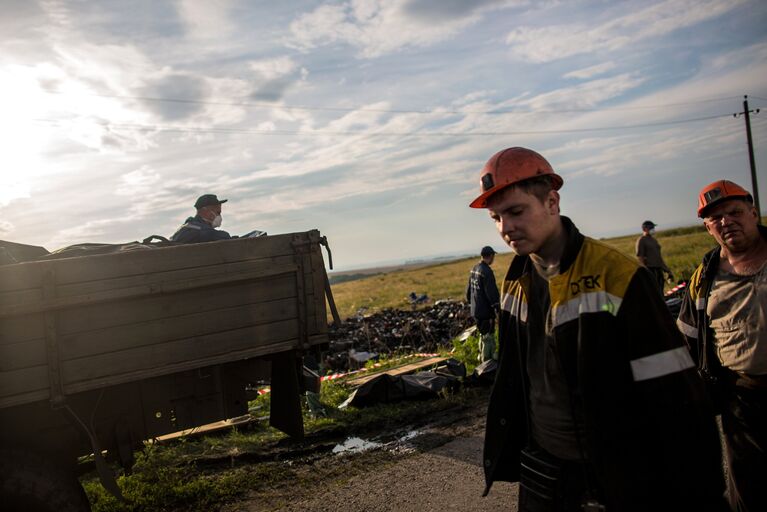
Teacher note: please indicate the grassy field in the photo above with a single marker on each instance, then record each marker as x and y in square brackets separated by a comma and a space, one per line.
[682, 248]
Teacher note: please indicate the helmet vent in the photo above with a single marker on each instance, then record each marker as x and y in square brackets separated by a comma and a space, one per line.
[487, 182]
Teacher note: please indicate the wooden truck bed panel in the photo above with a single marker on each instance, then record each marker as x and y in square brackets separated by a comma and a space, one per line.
[75, 324]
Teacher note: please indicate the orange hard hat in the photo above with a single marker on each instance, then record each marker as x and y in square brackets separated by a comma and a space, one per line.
[510, 166]
[718, 191]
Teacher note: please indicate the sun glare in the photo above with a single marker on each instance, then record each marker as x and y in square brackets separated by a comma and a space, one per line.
[22, 103]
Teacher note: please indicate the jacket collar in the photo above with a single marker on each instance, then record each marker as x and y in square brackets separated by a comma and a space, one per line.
[520, 265]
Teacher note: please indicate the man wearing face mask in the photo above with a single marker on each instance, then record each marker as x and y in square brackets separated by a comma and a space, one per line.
[202, 227]
[648, 254]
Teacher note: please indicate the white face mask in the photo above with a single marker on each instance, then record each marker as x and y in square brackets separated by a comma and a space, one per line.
[216, 222]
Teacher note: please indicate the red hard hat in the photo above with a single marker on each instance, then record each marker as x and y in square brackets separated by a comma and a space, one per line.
[718, 191]
[511, 166]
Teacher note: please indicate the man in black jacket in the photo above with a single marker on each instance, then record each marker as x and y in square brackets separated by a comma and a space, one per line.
[202, 227]
[483, 298]
[723, 318]
[596, 404]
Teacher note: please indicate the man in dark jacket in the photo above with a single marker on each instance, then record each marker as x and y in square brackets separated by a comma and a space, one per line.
[596, 401]
[723, 318]
[202, 227]
[648, 254]
[483, 298]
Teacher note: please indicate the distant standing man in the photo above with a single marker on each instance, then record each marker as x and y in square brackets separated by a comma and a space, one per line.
[483, 298]
[724, 317]
[648, 254]
[596, 402]
[202, 227]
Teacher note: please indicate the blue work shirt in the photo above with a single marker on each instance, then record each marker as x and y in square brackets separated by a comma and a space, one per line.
[196, 230]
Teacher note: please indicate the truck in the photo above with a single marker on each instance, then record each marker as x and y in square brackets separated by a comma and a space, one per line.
[104, 347]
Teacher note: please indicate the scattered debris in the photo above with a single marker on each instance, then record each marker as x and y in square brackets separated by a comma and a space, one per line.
[394, 330]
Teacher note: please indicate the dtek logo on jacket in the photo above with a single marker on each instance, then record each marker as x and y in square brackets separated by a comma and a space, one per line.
[585, 283]
[595, 282]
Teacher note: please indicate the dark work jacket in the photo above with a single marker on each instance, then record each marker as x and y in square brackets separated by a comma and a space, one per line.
[195, 230]
[649, 433]
[693, 318]
[482, 292]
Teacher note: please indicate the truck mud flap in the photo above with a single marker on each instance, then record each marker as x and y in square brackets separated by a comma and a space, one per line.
[285, 413]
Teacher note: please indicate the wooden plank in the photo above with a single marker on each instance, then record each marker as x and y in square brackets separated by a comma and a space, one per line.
[117, 335]
[210, 428]
[28, 380]
[399, 370]
[164, 330]
[143, 309]
[30, 296]
[166, 259]
[318, 284]
[21, 328]
[152, 278]
[138, 262]
[196, 348]
[112, 380]
[137, 291]
[25, 354]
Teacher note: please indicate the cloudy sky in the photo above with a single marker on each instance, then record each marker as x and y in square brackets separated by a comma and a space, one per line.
[367, 119]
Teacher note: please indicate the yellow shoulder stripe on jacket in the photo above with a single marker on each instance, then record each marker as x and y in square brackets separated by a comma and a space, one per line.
[596, 282]
[513, 300]
[694, 287]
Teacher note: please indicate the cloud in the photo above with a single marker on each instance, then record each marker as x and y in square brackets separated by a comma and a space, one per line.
[6, 228]
[274, 77]
[591, 71]
[206, 20]
[188, 89]
[273, 68]
[587, 94]
[545, 44]
[379, 27]
[431, 11]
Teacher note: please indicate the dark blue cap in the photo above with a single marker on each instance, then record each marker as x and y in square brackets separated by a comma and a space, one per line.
[486, 251]
[208, 200]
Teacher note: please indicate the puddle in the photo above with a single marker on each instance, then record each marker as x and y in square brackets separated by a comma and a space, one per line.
[393, 443]
[410, 435]
[355, 445]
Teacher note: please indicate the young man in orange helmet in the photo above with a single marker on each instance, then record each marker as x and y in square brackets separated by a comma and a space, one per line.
[723, 318]
[596, 405]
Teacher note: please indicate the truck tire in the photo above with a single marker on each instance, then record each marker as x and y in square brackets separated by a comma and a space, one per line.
[31, 483]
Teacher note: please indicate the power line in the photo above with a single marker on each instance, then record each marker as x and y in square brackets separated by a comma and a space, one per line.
[246, 131]
[250, 104]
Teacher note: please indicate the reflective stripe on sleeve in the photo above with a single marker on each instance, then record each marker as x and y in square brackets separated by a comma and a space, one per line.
[660, 364]
[700, 304]
[593, 302]
[687, 329]
[513, 304]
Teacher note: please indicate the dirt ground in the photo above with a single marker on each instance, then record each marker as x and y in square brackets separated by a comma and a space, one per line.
[436, 467]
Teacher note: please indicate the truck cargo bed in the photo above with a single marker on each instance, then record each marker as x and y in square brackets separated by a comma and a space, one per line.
[77, 324]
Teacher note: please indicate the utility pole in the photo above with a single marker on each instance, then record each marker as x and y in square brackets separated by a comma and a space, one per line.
[754, 187]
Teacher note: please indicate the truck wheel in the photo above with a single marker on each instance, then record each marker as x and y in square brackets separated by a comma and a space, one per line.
[31, 483]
